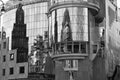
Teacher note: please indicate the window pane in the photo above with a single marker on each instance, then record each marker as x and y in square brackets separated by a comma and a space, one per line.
[94, 48]
[22, 70]
[12, 56]
[69, 47]
[4, 58]
[76, 48]
[11, 71]
[4, 45]
[83, 47]
[71, 65]
[3, 72]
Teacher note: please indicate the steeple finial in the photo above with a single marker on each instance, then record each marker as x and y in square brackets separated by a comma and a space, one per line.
[20, 14]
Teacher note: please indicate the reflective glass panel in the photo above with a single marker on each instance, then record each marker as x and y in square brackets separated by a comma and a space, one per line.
[35, 19]
[72, 24]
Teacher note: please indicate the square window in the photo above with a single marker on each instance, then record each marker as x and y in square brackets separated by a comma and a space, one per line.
[22, 70]
[3, 72]
[11, 71]
[12, 56]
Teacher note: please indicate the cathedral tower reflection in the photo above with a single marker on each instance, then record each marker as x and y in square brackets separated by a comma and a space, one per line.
[19, 39]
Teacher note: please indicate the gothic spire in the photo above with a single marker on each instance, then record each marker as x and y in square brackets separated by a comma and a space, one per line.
[20, 15]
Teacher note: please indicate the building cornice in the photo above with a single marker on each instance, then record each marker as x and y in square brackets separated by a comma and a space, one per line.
[68, 56]
[83, 4]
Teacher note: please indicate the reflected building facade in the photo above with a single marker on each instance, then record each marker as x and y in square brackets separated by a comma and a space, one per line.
[72, 25]
[19, 39]
[22, 27]
[73, 31]
[79, 49]
[34, 17]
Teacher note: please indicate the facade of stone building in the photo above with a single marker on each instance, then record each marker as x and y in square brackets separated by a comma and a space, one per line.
[9, 68]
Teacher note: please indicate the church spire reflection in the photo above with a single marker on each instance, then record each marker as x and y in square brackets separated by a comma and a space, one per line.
[19, 39]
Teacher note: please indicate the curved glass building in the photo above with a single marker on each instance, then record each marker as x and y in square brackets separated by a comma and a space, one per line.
[34, 15]
[69, 24]
[72, 28]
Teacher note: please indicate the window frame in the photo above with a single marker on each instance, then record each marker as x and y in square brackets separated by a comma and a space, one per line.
[82, 47]
[71, 65]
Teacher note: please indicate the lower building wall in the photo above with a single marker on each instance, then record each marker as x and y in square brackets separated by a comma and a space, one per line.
[99, 72]
[84, 71]
[19, 79]
[26, 79]
[17, 74]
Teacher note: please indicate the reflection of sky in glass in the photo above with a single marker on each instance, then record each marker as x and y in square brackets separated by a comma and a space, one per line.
[35, 20]
[118, 3]
[78, 22]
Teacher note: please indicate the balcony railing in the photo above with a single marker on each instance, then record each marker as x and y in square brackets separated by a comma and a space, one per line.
[69, 56]
[70, 50]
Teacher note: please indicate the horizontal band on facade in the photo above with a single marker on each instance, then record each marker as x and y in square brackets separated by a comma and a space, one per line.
[73, 56]
[83, 4]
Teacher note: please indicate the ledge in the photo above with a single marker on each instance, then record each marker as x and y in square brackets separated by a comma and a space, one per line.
[75, 56]
[70, 69]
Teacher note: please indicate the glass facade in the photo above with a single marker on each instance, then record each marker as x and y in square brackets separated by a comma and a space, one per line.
[68, 33]
[35, 20]
[69, 27]
[78, 23]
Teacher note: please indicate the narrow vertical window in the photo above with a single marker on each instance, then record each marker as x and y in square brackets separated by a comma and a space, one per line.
[4, 58]
[3, 72]
[83, 47]
[94, 48]
[11, 71]
[4, 45]
[0, 46]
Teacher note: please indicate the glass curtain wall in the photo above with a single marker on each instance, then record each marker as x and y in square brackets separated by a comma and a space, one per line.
[68, 31]
[71, 29]
[35, 20]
